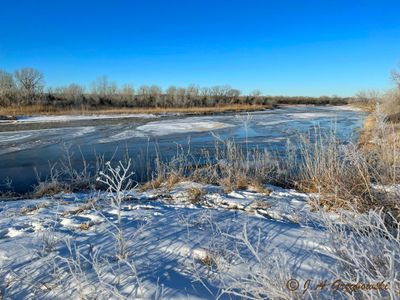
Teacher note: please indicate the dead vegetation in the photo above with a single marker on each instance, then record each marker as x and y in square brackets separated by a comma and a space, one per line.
[346, 176]
[40, 109]
[89, 205]
[50, 188]
[33, 208]
[195, 195]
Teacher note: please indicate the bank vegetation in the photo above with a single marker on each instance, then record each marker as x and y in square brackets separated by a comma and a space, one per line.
[25, 92]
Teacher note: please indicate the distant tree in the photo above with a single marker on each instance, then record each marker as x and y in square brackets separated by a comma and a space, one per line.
[256, 93]
[234, 93]
[128, 90]
[74, 92]
[6, 81]
[7, 87]
[192, 91]
[30, 82]
[396, 77]
[368, 96]
[155, 96]
[103, 87]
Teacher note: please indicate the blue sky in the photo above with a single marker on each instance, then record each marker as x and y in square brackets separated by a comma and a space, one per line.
[280, 47]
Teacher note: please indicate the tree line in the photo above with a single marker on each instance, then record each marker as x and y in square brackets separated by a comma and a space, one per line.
[27, 86]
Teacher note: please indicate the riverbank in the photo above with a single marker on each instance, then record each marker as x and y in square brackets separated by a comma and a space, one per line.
[10, 113]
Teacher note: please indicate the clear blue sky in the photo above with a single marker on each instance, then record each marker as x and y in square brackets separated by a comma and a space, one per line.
[281, 47]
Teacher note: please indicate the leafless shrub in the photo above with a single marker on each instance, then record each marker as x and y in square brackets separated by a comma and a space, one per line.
[118, 182]
[48, 242]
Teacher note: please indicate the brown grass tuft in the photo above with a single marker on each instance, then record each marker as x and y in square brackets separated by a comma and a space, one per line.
[195, 195]
[30, 209]
[173, 179]
[49, 188]
[86, 225]
[81, 209]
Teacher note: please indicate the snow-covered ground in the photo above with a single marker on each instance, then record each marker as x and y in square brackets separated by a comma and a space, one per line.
[191, 241]
[63, 246]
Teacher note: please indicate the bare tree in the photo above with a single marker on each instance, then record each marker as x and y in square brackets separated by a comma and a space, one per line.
[368, 96]
[396, 77]
[73, 92]
[29, 81]
[103, 87]
[256, 93]
[128, 90]
[7, 87]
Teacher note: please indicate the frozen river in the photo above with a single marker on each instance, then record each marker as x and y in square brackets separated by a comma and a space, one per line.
[28, 146]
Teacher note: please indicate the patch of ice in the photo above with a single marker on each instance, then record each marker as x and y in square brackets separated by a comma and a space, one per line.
[177, 126]
[7, 137]
[311, 115]
[68, 118]
[268, 123]
[160, 128]
[125, 135]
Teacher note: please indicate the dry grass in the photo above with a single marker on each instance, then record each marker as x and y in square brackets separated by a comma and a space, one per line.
[195, 195]
[380, 143]
[173, 179]
[168, 181]
[243, 182]
[343, 176]
[90, 204]
[339, 174]
[258, 187]
[367, 132]
[39, 109]
[365, 106]
[50, 188]
[151, 185]
[31, 209]
[86, 225]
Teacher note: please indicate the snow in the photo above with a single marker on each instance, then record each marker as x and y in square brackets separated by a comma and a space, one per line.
[161, 128]
[313, 115]
[187, 125]
[169, 239]
[69, 118]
